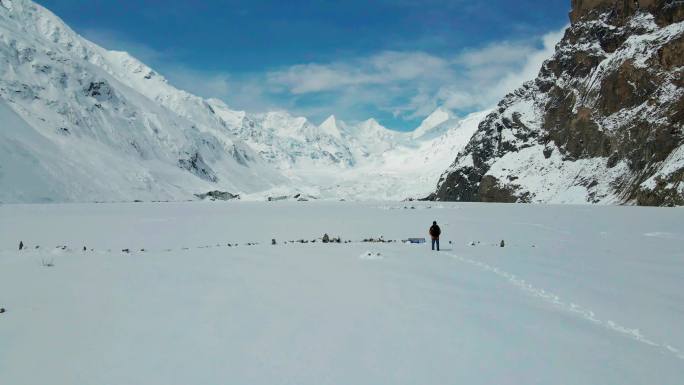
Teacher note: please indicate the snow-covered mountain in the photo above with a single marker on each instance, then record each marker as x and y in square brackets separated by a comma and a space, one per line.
[602, 123]
[433, 125]
[287, 141]
[352, 161]
[81, 123]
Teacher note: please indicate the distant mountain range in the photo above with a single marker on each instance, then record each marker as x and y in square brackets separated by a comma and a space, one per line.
[601, 124]
[81, 123]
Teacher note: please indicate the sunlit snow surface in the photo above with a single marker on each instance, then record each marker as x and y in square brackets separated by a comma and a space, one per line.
[81, 123]
[578, 295]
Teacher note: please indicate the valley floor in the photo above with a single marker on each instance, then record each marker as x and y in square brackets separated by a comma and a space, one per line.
[578, 295]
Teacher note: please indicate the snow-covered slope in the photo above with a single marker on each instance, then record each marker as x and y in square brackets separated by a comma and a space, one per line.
[409, 167]
[432, 124]
[380, 164]
[103, 124]
[352, 161]
[286, 141]
[81, 123]
[602, 123]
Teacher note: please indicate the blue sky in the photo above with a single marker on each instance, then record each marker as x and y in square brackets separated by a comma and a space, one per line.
[392, 60]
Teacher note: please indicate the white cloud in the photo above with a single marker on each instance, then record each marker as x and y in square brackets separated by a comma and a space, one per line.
[411, 84]
[495, 70]
[407, 85]
[529, 68]
[244, 92]
[499, 53]
[384, 68]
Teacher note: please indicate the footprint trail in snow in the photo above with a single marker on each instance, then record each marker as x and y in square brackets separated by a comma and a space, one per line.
[571, 307]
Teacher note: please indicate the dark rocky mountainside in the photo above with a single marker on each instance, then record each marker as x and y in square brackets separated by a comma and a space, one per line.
[602, 123]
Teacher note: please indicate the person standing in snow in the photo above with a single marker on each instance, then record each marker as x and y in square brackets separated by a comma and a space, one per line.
[435, 232]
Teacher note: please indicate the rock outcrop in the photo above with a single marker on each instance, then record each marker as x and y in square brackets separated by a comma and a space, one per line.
[602, 123]
[218, 196]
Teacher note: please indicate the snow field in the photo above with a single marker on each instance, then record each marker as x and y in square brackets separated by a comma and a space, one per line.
[578, 295]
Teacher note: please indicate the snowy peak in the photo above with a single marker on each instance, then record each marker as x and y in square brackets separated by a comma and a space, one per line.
[94, 124]
[86, 124]
[372, 131]
[230, 117]
[434, 120]
[372, 125]
[284, 125]
[331, 127]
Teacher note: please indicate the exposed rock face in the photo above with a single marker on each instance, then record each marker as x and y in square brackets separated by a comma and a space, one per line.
[217, 195]
[602, 123]
[196, 165]
[582, 8]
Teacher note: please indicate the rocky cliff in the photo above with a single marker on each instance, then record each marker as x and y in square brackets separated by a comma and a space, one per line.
[602, 123]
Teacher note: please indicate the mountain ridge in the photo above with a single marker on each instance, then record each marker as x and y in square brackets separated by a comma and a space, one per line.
[602, 123]
[88, 105]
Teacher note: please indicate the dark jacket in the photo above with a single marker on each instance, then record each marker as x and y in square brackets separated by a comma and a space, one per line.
[435, 232]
